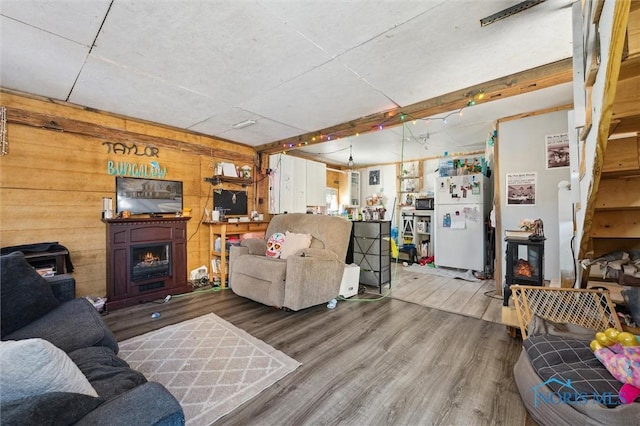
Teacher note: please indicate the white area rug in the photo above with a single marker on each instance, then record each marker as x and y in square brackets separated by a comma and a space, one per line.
[208, 364]
[443, 272]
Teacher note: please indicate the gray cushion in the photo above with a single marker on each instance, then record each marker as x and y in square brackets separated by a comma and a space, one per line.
[568, 366]
[72, 325]
[24, 295]
[34, 366]
[109, 375]
[55, 408]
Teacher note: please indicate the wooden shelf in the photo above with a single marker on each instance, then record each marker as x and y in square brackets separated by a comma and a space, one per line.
[218, 179]
[223, 230]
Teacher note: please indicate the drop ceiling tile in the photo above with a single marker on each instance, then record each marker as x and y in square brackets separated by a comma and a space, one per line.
[327, 95]
[262, 132]
[38, 62]
[76, 20]
[228, 50]
[109, 87]
[346, 24]
[445, 50]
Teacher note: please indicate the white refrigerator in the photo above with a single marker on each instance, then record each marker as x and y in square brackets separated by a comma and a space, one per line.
[462, 206]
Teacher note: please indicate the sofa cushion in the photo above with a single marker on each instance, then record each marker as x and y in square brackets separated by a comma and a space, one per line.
[109, 375]
[294, 242]
[568, 365]
[72, 325]
[34, 366]
[261, 267]
[24, 295]
[54, 408]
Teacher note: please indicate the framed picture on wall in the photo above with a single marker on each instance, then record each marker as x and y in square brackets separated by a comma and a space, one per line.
[521, 189]
[557, 150]
[374, 177]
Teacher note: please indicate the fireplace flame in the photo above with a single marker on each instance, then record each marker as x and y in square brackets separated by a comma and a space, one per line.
[150, 258]
[523, 268]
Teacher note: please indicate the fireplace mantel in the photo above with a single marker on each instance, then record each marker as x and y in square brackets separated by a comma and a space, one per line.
[124, 235]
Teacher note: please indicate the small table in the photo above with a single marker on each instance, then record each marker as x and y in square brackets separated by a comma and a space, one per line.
[55, 259]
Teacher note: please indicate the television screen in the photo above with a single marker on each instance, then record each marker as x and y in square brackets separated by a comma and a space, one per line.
[148, 196]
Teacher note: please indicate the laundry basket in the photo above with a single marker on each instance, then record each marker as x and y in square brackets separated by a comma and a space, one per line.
[587, 308]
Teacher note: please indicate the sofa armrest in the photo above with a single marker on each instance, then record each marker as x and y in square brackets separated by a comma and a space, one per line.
[148, 404]
[73, 325]
[316, 253]
[312, 279]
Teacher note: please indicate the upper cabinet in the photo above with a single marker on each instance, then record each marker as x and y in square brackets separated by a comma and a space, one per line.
[316, 184]
[295, 183]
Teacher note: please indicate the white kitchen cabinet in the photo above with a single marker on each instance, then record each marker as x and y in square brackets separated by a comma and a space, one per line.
[316, 183]
[287, 184]
[295, 183]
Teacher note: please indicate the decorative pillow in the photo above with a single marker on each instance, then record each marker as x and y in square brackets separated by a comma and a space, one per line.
[34, 366]
[293, 243]
[274, 245]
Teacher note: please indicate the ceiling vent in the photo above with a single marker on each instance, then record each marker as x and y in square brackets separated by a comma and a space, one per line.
[509, 11]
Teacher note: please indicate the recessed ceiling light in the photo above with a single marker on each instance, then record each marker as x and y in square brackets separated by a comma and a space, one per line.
[243, 124]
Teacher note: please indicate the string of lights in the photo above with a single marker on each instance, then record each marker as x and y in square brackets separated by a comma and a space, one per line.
[473, 98]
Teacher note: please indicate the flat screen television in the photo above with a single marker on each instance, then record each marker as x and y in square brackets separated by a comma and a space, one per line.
[148, 196]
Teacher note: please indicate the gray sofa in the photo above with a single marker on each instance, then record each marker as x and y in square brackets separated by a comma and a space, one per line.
[308, 277]
[75, 345]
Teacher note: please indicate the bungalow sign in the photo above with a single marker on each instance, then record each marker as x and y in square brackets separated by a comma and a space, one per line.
[125, 168]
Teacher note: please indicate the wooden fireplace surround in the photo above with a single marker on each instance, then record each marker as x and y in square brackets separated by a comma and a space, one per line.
[122, 234]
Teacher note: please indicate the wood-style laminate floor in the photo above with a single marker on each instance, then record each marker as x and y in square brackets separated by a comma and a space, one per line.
[384, 362]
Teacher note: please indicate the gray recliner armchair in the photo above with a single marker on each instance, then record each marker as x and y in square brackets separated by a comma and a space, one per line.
[308, 277]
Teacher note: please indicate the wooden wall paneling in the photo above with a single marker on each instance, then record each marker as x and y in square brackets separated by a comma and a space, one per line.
[58, 197]
[333, 179]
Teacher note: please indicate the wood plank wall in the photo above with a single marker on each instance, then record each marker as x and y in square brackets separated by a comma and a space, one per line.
[55, 175]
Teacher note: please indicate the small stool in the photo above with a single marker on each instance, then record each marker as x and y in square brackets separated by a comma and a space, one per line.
[411, 251]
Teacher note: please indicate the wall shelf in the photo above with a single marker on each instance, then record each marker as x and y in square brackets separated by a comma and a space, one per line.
[218, 179]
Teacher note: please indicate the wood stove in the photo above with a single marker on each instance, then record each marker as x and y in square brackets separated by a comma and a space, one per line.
[524, 264]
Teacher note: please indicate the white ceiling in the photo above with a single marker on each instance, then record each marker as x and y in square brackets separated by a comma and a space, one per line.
[293, 66]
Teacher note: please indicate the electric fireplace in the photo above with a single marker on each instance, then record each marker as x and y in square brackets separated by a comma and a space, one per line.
[146, 259]
[524, 264]
[150, 261]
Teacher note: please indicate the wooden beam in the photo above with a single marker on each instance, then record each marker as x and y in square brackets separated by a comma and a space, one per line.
[67, 125]
[515, 84]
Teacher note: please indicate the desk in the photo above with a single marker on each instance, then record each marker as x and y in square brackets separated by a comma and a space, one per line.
[223, 230]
